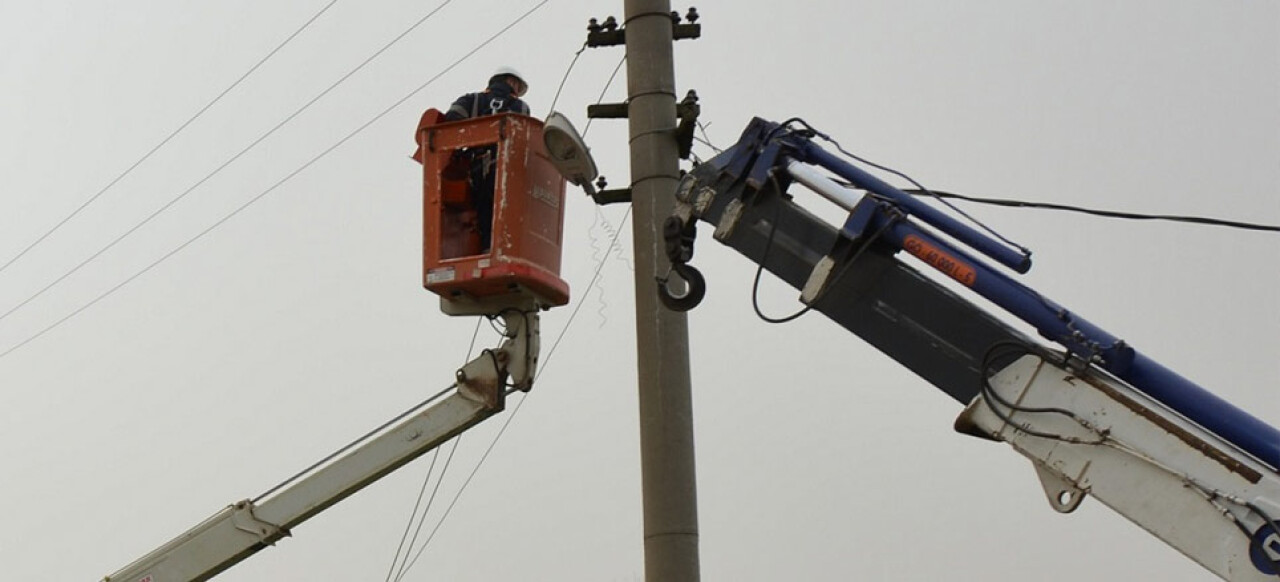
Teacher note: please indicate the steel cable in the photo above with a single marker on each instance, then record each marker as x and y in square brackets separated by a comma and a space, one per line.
[224, 165]
[168, 138]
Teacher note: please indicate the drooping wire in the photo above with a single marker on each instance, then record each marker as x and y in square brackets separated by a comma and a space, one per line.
[545, 362]
[1024, 250]
[169, 137]
[616, 68]
[228, 162]
[565, 78]
[599, 216]
[1104, 213]
[602, 253]
[768, 245]
[594, 277]
[279, 183]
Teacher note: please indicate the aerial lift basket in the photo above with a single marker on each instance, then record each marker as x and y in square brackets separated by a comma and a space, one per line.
[521, 268]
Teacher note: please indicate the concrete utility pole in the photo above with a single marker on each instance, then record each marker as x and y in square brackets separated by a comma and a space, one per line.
[662, 336]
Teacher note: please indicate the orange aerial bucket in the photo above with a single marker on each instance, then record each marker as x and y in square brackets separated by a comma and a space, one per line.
[519, 266]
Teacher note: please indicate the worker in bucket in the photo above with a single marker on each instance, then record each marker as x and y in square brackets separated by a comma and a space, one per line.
[506, 86]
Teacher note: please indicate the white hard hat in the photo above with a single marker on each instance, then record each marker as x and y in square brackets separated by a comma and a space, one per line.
[509, 72]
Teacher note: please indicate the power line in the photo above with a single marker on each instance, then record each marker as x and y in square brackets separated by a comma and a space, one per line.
[171, 135]
[413, 514]
[565, 78]
[616, 68]
[1106, 213]
[405, 566]
[223, 166]
[279, 183]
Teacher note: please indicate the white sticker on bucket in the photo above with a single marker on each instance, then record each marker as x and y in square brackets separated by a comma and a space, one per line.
[441, 275]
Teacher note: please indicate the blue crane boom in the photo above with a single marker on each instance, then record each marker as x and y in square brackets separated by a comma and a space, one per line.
[1098, 417]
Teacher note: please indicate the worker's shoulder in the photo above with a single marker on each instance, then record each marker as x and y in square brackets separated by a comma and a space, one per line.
[467, 97]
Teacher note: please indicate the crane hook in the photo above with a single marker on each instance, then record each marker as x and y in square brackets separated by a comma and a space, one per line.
[695, 291]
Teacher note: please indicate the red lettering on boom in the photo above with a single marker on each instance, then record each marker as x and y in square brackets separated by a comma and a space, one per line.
[940, 260]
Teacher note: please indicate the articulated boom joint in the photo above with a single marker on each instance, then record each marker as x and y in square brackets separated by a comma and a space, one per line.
[513, 364]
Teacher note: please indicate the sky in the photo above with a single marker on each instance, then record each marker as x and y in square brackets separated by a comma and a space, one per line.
[299, 323]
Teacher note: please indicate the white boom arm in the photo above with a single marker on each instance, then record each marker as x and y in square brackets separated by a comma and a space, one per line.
[241, 529]
[1091, 434]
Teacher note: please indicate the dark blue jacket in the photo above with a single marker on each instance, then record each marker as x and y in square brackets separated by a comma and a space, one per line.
[498, 98]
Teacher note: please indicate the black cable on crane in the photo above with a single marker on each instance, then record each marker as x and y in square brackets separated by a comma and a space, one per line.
[168, 138]
[273, 187]
[1097, 212]
[1024, 250]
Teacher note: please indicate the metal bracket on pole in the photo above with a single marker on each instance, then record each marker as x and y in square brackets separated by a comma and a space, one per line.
[607, 111]
[603, 196]
[609, 33]
[683, 31]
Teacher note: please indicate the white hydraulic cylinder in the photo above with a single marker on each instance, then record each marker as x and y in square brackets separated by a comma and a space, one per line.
[817, 181]
[1192, 489]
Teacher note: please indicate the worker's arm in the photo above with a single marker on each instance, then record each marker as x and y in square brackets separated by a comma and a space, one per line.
[461, 109]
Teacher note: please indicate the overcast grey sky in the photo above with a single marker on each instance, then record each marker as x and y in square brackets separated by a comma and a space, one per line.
[300, 323]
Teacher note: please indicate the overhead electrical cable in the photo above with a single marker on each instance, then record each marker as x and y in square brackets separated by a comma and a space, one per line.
[224, 165]
[405, 565]
[1096, 212]
[414, 513]
[565, 78]
[1022, 249]
[171, 135]
[279, 183]
[435, 456]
